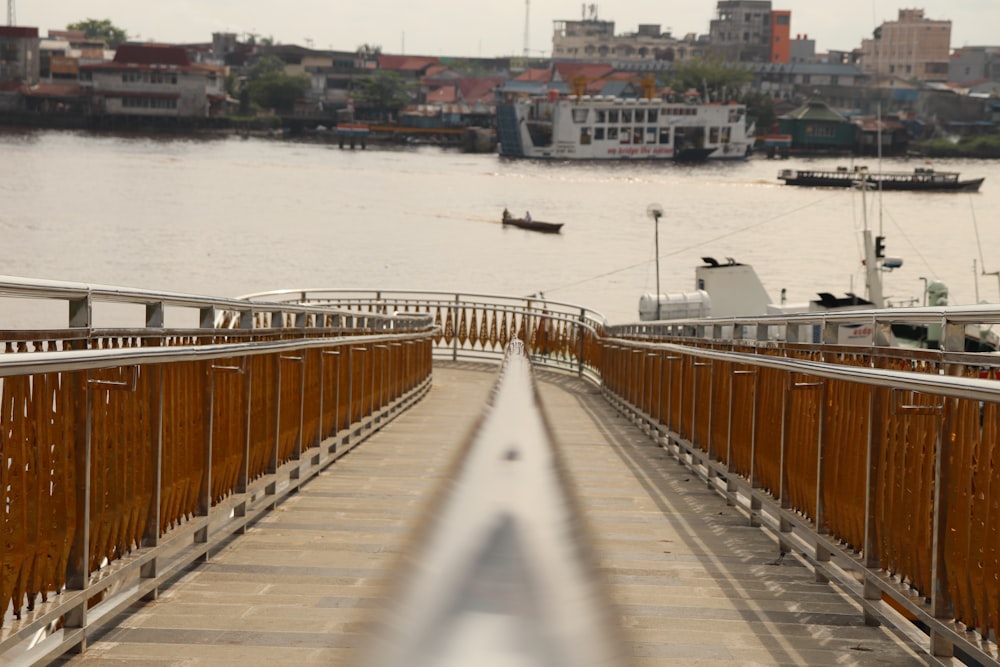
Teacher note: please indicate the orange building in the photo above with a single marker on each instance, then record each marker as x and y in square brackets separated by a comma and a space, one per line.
[781, 42]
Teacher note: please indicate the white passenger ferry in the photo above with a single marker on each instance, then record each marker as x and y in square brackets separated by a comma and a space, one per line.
[603, 128]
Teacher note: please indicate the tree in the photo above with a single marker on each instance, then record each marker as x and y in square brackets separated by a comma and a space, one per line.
[384, 90]
[268, 85]
[103, 29]
[760, 107]
[719, 81]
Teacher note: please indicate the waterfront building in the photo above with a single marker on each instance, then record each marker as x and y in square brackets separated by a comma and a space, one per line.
[19, 65]
[815, 127]
[911, 47]
[63, 51]
[19, 61]
[154, 80]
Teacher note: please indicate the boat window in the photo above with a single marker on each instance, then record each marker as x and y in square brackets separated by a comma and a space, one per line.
[650, 135]
[598, 133]
[580, 115]
[626, 116]
[713, 135]
[651, 115]
[664, 135]
[637, 135]
[640, 115]
[613, 116]
[625, 137]
[612, 133]
[602, 115]
[726, 134]
[584, 136]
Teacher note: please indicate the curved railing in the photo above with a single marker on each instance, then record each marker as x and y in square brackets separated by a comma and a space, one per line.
[478, 326]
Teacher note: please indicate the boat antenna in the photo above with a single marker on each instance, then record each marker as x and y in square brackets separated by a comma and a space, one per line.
[982, 261]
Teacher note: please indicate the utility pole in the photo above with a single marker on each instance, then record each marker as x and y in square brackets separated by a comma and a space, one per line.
[11, 13]
[527, 21]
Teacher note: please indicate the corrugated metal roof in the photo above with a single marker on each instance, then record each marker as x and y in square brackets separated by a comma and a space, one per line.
[152, 54]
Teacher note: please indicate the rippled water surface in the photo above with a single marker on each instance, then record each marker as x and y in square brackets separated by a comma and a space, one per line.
[233, 216]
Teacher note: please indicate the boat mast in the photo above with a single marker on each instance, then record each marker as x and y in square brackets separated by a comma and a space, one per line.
[873, 276]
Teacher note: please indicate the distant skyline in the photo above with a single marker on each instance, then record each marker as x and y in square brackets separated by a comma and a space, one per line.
[478, 29]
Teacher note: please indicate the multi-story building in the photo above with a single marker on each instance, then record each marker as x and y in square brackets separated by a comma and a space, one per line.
[741, 32]
[595, 40]
[974, 63]
[63, 51]
[19, 61]
[154, 80]
[911, 47]
[781, 33]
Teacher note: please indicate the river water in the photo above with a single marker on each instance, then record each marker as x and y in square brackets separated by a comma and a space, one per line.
[231, 216]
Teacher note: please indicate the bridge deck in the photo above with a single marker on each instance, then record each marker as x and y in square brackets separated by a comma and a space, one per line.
[695, 585]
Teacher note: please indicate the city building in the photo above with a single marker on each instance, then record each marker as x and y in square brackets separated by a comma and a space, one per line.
[781, 31]
[974, 63]
[911, 47]
[19, 57]
[63, 51]
[594, 40]
[741, 31]
[154, 80]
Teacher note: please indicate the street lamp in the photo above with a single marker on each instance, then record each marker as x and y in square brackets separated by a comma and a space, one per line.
[655, 211]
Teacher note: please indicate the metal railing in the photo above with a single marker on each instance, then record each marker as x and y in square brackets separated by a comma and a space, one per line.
[128, 453]
[537, 554]
[874, 461]
[885, 474]
[478, 326]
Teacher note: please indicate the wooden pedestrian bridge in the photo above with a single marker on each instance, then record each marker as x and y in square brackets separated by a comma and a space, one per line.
[408, 478]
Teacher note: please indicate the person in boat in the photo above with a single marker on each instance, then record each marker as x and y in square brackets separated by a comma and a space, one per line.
[506, 214]
[527, 216]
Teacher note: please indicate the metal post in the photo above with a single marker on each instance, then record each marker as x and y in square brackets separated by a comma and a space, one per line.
[871, 550]
[205, 499]
[78, 568]
[655, 211]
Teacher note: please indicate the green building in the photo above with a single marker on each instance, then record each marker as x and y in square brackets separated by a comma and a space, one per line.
[815, 127]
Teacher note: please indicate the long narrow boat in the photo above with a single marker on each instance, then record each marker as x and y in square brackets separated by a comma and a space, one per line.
[920, 179]
[533, 225]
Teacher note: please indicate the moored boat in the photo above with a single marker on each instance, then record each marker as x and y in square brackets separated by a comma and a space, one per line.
[582, 127]
[920, 179]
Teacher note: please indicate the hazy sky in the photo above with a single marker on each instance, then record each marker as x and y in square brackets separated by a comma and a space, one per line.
[477, 27]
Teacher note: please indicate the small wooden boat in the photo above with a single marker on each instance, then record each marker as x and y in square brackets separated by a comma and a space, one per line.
[920, 179]
[533, 225]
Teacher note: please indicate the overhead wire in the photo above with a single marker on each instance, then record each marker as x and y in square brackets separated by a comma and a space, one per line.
[691, 247]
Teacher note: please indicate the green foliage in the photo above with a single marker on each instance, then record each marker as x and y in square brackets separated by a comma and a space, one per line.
[980, 146]
[723, 82]
[269, 87]
[384, 90]
[101, 29]
[760, 107]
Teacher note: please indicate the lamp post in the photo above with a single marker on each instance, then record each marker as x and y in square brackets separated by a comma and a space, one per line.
[655, 211]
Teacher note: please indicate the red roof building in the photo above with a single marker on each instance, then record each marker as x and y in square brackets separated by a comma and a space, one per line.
[155, 80]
